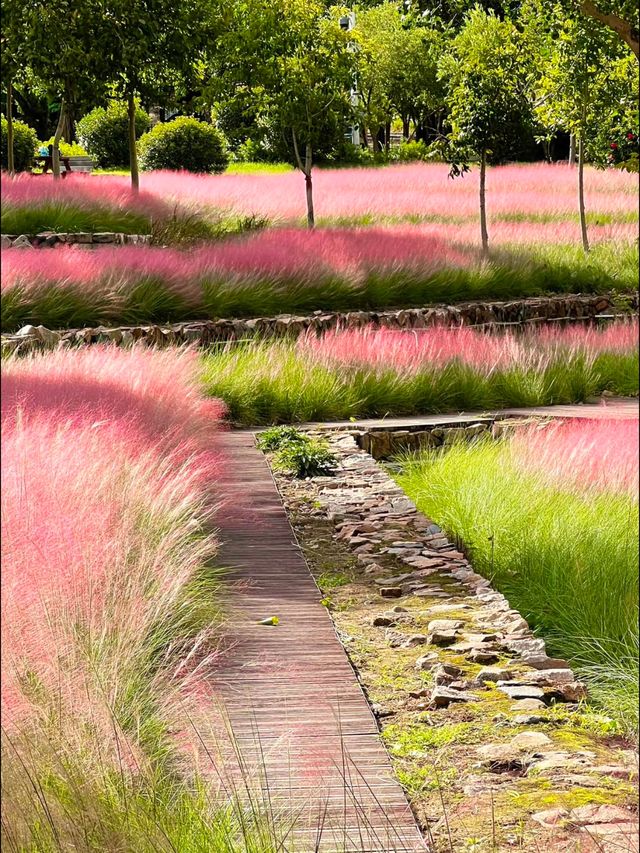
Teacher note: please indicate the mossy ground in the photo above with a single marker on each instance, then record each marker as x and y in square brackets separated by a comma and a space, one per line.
[461, 805]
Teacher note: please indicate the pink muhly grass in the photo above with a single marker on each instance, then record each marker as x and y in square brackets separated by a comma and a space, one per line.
[401, 190]
[83, 191]
[619, 337]
[412, 351]
[395, 191]
[109, 473]
[280, 254]
[389, 349]
[593, 455]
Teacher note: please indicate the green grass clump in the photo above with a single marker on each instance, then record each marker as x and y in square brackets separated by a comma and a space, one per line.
[63, 217]
[298, 453]
[566, 559]
[272, 383]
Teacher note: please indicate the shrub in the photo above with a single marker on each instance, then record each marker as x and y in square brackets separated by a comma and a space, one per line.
[25, 141]
[104, 133]
[278, 437]
[184, 143]
[67, 149]
[305, 457]
[407, 152]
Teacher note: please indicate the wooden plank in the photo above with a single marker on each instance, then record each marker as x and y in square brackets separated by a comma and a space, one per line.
[289, 693]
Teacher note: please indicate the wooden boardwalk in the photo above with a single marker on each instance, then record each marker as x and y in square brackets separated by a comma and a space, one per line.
[616, 408]
[297, 712]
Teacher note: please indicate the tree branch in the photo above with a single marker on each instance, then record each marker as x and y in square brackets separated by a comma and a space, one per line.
[625, 30]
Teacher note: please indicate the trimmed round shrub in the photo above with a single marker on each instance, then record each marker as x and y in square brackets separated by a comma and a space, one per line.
[25, 142]
[184, 143]
[104, 133]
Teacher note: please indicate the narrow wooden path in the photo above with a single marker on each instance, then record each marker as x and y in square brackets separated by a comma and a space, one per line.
[614, 408]
[294, 704]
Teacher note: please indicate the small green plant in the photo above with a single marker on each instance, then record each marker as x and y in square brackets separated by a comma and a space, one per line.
[184, 143]
[277, 437]
[25, 141]
[297, 453]
[104, 133]
[306, 459]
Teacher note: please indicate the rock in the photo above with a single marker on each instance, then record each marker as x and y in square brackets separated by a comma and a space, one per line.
[427, 662]
[527, 705]
[522, 691]
[561, 761]
[551, 817]
[530, 740]
[551, 677]
[394, 580]
[502, 757]
[544, 662]
[5, 241]
[445, 673]
[495, 674]
[446, 608]
[384, 621]
[414, 640]
[596, 814]
[22, 242]
[391, 592]
[48, 337]
[528, 719]
[483, 656]
[442, 697]
[443, 632]
[616, 771]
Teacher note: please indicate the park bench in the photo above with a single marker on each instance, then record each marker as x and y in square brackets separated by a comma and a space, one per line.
[71, 164]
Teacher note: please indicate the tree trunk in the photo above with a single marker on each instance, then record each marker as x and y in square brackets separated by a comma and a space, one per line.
[387, 137]
[484, 235]
[626, 30]
[572, 149]
[364, 138]
[11, 168]
[406, 129]
[311, 221]
[583, 215]
[55, 150]
[305, 168]
[133, 152]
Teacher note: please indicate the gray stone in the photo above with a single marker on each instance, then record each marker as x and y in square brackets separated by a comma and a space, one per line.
[495, 674]
[414, 640]
[443, 632]
[522, 691]
[22, 242]
[390, 592]
[427, 662]
[442, 697]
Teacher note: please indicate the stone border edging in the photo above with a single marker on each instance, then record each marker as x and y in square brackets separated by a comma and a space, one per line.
[77, 238]
[570, 308]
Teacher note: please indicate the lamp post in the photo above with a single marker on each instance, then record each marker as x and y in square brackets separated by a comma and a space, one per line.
[347, 23]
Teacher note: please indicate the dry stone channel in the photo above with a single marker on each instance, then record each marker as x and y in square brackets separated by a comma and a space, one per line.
[427, 604]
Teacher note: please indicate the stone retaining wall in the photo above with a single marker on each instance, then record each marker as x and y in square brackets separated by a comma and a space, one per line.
[79, 238]
[562, 309]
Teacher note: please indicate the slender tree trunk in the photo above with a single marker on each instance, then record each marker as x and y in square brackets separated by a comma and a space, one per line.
[364, 139]
[308, 162]
[406, 129]
[572, 149]
[55, 150]
[133, 151]
[484, 235]
[387, 137]
[583, 215]
[11, 168]
[306, 168]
